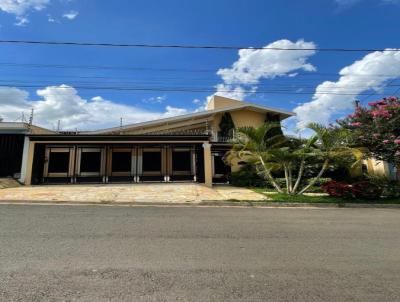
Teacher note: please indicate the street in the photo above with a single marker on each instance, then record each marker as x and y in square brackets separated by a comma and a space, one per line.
[117, 253]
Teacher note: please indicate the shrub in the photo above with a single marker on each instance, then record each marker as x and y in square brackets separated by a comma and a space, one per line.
[338, 189]
[391, 188]
[361, 189]
[246, 177]
[366, 190]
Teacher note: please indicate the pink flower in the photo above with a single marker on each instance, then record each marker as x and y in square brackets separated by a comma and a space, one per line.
[356, 124]
[381, 113]
[376, 103]
[397, 141]
[386, 141]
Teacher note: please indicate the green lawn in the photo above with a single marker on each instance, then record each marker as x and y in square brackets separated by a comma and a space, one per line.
[278, 197]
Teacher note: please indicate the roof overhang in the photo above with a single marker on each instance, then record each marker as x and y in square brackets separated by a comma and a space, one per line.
[84, 138]
[196, 116]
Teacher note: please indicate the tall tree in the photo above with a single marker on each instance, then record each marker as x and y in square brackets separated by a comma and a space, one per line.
[377, 127]
[226, 125]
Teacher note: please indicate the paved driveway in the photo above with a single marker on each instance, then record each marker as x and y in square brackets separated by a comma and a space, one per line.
[126, 193]
[117, 253]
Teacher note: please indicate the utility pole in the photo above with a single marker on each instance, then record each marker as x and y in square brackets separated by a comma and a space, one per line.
[356, 104]
[58, 125]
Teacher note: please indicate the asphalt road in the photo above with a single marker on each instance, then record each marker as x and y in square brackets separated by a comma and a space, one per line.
[102, 253]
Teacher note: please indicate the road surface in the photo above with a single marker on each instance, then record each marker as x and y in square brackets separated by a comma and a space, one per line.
[111, 253]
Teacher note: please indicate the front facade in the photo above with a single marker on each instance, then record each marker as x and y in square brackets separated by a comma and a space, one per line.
[183, 148]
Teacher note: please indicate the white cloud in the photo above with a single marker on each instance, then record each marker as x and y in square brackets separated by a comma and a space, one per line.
[63, 103]
[234, 92]
[71, 15]
[21, 21]
[372, 72]
[51, 19]
[21, 7]
[155, 99]
[255, 65]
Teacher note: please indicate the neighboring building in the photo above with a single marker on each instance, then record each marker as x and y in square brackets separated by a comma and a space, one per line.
[13, 136]
[182, 148]
[381, 168]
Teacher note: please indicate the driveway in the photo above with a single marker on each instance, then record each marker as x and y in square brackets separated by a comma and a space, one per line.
[128, 193]
[118, 253]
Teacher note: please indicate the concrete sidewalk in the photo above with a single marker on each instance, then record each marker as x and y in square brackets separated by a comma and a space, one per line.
[129, 193]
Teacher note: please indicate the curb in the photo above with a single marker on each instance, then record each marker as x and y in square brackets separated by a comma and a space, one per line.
[210, 203]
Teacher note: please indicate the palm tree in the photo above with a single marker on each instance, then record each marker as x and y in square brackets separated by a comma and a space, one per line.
[254, 146]
[268, 154]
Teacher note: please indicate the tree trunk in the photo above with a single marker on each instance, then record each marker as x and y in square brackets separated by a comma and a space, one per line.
[324, 167]
[270, 177]
[299, 176]
[285, 168]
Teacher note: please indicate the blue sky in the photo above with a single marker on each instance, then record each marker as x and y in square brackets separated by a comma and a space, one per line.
[293, 77]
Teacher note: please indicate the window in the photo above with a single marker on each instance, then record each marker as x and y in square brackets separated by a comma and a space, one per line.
[58, 162]
[181, 161]
[121, 161]
[152, 161]
[90, 162]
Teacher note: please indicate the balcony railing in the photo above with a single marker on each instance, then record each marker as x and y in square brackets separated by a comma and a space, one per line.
[216, 137]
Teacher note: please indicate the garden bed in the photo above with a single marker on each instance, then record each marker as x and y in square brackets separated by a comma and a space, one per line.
[278, 197]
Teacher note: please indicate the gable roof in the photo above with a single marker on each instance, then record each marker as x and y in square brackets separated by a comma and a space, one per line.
[202, 114]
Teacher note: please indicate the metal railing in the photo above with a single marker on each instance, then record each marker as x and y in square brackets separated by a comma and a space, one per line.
[216, 137]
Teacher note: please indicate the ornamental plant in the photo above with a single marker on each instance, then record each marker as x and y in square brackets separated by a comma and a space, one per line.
[361, 189]
[377, 127]
[294, 157]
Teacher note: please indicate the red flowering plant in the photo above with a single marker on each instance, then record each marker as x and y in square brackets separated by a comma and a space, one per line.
[377, 127]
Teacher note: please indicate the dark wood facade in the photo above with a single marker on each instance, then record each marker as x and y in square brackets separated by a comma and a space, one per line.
[11, 148]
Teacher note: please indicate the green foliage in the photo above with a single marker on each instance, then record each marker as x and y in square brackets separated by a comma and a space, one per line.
[279, 197]
[391, 188]
[226, 125]
[247, 177]
[316, 188]
[274, 118]
[298, 159]
[377, 128]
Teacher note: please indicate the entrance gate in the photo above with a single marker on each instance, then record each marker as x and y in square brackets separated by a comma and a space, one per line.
[113, 163]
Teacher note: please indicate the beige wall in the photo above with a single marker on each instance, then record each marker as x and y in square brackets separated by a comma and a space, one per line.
[377, 167]
[374, 167]
[218, 102]
[241, 118]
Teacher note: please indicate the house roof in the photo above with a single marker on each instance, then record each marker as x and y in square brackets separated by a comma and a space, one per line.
[21, 128]
[202, 114]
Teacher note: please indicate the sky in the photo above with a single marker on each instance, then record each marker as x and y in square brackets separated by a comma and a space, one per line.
[82, 87]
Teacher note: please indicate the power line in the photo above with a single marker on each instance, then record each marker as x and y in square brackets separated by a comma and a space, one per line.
[44, 83]
[182, 46]
[167, 89]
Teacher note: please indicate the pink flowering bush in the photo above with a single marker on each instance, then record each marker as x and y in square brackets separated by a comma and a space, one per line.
[377, 127]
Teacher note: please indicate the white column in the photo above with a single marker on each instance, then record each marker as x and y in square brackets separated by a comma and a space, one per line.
[24, 160]
[207, 164]
[29, 164]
